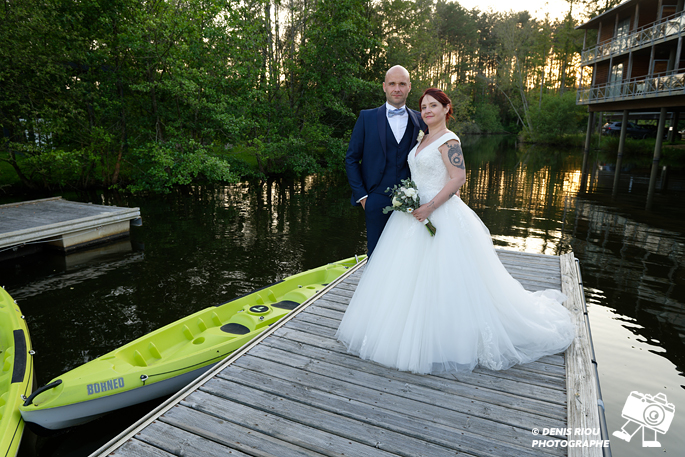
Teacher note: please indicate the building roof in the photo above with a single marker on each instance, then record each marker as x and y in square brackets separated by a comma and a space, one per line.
[594, 22]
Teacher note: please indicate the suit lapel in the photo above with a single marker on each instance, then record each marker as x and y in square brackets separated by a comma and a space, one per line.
[382, 125]
[415, 122]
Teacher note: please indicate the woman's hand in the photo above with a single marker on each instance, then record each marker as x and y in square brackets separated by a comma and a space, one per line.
[424, 211]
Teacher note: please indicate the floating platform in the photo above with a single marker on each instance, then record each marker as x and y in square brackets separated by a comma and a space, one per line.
[295, 391]
[62, 224]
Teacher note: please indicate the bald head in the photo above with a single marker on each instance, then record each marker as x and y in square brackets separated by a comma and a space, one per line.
[398, 70]
[397, 86]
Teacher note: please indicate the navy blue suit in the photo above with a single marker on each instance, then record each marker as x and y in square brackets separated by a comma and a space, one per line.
[376, 161]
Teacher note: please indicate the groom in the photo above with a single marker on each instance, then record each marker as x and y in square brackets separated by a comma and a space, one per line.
[377, 154]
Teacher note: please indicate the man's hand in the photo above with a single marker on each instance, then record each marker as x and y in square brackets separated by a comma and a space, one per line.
[363, 203]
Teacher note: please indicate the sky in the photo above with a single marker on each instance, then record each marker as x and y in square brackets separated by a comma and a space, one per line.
[537, 8]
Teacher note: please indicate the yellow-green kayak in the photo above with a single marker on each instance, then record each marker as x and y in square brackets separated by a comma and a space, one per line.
[164, 361]
[16, 376]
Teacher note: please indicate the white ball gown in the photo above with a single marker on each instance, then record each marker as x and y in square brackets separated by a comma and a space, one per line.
[446, 303]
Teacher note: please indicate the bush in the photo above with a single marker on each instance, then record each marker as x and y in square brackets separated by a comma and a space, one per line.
[487, 117]
[162, 166]
[554, 117]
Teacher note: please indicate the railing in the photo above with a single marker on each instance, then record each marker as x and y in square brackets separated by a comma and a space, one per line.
[661, 85]
[670, 26]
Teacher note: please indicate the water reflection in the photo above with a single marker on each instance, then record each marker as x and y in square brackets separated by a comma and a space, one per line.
[639, 269]
[206, 245]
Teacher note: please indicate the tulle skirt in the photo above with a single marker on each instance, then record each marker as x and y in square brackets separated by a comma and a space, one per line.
[446, 303]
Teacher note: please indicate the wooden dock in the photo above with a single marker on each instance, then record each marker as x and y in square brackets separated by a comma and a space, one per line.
[294, 391]
[63, 224]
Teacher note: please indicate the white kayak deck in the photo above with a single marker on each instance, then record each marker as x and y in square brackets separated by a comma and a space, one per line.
[296, 392]
[62, 223]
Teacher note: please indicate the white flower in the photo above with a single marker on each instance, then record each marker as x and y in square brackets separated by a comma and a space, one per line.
[418, 138]
[411, 192]
[396, 202]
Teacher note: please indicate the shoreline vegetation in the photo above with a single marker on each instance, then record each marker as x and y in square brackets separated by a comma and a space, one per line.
[144, 97]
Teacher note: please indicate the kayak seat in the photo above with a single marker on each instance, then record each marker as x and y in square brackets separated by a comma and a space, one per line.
[236, 329]
[286, 304]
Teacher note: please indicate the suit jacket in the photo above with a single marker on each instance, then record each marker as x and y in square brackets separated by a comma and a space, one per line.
[365, 159]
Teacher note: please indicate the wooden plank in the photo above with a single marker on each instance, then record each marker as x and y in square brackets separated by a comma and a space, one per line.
[297, 423]
[478, 397]
[353, 420]
[342, 293]
[333, 305]
[539, 274]
[136, 448]
[336, 297]
[272, 440]
[526, 256]
[292, 366]
[511, 374]
[581, 383]
[481, 387]
[176, 441]
[328, 332]
[409, 416]
[550, 267]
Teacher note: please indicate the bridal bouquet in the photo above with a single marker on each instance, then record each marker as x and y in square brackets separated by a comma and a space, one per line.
[405, 198]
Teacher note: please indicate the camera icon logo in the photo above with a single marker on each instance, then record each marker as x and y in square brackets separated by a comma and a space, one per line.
[646, 412]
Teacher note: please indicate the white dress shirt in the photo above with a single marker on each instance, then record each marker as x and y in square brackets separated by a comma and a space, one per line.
[398, 124]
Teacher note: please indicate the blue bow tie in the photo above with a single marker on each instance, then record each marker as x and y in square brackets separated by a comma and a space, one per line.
[396, 112]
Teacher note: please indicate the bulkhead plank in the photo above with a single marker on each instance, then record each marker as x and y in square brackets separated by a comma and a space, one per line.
[581, 382]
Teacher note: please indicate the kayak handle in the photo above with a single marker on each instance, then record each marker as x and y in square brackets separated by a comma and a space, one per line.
[41, 390]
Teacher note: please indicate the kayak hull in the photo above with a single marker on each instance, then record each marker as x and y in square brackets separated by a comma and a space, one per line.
[44, 421]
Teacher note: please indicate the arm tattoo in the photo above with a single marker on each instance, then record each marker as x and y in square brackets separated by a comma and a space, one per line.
[455, 155]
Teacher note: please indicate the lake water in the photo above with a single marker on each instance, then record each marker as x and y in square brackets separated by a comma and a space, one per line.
[205, 245]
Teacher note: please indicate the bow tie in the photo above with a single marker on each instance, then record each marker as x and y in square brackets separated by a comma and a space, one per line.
[396, 112]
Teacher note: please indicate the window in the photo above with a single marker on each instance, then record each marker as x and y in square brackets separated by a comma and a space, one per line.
[615, 79]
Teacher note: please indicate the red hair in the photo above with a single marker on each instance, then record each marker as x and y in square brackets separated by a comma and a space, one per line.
[441, 97]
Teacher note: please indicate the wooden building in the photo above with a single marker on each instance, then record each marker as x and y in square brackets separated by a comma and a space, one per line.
[636, 65]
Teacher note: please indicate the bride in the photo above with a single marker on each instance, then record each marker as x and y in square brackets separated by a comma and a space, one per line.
[431, 304]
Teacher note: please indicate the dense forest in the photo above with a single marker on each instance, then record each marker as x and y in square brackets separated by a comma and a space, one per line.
[144, 95]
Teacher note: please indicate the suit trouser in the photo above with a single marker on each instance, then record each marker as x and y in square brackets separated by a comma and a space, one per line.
[375, 219]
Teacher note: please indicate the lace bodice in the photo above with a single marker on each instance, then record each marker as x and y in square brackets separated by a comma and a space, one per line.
[428, 170]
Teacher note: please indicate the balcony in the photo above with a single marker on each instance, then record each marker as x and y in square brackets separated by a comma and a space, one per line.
[658, 32]
[661, 85]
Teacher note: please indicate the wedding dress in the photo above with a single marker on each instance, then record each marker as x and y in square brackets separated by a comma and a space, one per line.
[446, 303]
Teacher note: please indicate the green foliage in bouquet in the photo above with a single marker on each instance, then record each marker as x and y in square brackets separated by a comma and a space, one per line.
[405, 198]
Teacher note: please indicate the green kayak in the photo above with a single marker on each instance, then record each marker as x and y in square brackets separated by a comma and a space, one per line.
[165, 360]
[16, 376]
